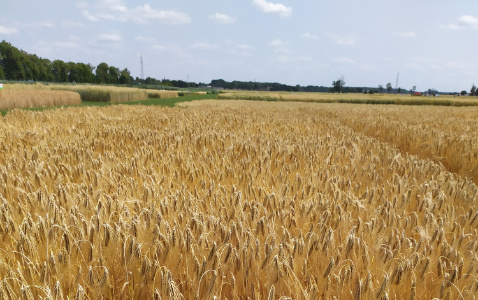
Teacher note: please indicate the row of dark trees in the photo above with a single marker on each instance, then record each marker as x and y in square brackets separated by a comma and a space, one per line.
[265, 86]
[18, 65]
[168, 82]
[338, 86]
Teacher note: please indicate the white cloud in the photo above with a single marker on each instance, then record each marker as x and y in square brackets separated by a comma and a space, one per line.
[410, 34]
[204, 46]
[115, 5]
[341, 40]
[8, 30]
[280, 48]
[276, 43]
[468, 20]
[309, 36]
[465, 21]
[239, 49]
[166, 16]
[115, 10]
[109, 38]
[269, 7]
[222, 18]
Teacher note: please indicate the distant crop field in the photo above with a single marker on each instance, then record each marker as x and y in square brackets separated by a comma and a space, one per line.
[39, 95]
[24, 96]
[357, 98]
[239, 200]
[114, 94]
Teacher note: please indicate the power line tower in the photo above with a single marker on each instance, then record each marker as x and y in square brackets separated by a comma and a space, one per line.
[396, 82]
[142, 70]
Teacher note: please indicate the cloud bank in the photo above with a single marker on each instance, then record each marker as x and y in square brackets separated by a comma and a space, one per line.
[8, 30]
[465, 21]
[269, 7]
[222, 18]
[114, 10]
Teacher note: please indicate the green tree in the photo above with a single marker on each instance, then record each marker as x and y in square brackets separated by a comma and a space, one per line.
[75, 72]
[413, 90]
[102, 73]
[44, 67]
[30, 66]
[2, 74]
[150, 81]
[12, 65]
[86, 73]
[220, 83]
[389, 87]
[399, 90]
[473, 90]
[125, 77]
[338, 85]
[114, 75]
[380, 88]
[60, 71]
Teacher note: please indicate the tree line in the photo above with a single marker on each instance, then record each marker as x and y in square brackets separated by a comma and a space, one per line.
[338, 86]
[18, 65]
[265, 86]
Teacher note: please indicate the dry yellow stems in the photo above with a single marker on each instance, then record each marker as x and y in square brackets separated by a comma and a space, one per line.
[237, 200]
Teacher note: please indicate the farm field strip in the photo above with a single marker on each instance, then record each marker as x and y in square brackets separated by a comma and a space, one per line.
[39, 95]
[234, 199]
[355, 98]
[14, 98]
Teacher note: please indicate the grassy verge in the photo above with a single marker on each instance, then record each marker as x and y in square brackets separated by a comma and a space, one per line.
[170, 102]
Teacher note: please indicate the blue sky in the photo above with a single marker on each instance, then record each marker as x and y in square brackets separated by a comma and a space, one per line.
[432, 43]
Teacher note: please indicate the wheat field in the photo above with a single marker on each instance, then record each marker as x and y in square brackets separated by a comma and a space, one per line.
[40, 95]
[355, 98]
[24, 96]
[239, 200]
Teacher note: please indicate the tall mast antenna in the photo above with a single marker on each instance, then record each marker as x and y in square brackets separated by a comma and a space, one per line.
[396, 82]
[142, 70]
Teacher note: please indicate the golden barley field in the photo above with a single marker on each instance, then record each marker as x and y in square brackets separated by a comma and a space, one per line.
[356, 98]
[239, 200]
[40, 95]
[20, 96]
